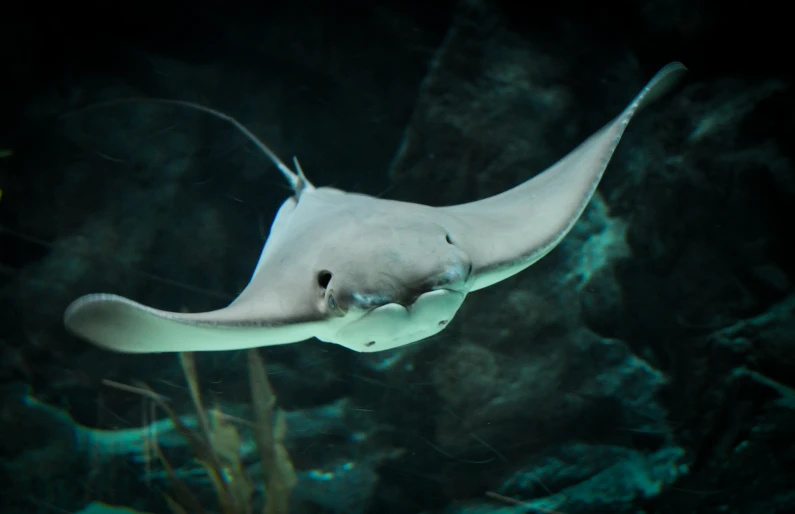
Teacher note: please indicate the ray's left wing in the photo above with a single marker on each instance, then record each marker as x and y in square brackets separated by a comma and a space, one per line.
[508, 232]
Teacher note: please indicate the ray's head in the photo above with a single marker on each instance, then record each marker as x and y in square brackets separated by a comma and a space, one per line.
[402, 281]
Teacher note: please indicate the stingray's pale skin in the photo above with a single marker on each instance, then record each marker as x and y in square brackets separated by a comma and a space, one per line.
[367, 273]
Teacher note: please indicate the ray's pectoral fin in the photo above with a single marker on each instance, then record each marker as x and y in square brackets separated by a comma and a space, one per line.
[508, 232]
[273, 309]
[117, 323]
[120, 324]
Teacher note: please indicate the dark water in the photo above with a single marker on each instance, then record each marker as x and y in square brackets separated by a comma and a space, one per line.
[644, 365]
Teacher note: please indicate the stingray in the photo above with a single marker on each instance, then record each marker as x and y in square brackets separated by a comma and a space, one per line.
[368, 273]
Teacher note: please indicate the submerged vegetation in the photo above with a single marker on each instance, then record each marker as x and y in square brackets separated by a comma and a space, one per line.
[216, 448]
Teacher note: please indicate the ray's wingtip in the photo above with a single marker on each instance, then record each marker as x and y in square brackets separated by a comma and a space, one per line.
[676, 64]
[108, 321]
[675, 69]
[73, 309]
[666, 79]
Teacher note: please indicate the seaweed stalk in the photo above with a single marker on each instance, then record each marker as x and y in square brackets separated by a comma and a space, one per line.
[216, 447]
[277, 469]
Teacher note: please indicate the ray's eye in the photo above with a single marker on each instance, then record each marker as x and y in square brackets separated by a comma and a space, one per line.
[323, 280]
[448, 238]
[334, 308]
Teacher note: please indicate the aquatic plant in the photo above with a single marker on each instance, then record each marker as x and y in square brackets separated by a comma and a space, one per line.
[216, 447]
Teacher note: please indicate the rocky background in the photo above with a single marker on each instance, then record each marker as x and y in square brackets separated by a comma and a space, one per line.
[646, 365]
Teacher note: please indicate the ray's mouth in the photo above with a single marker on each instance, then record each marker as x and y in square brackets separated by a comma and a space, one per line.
[408, 306]
[409, 301]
